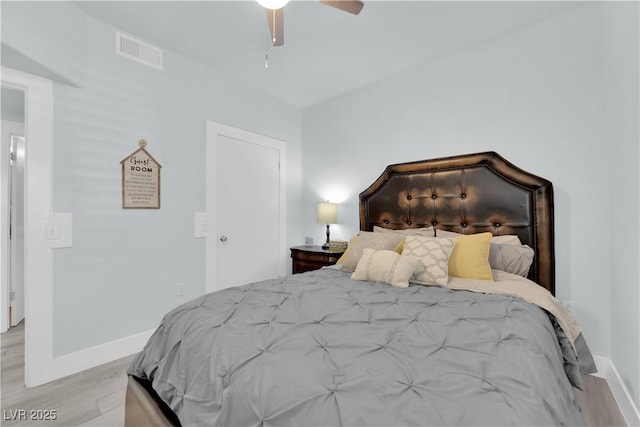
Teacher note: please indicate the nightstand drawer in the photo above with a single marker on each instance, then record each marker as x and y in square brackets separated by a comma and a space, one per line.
[308, 258]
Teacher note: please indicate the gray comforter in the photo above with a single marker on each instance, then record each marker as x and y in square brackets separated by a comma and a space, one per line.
[319, 349]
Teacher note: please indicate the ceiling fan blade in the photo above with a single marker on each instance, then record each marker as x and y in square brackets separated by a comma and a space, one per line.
[348, 6]
[275, 17]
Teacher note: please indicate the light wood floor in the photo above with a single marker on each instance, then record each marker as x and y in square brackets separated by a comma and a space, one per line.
[90, 398]
[96, 397]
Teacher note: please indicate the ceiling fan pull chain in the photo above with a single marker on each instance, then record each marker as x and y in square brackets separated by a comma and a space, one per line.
[266, 51]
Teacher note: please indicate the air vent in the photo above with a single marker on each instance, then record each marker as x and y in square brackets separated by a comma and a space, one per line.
[138, 50]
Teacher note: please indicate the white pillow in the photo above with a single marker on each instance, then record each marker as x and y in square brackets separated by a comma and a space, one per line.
[433, 253]
[427, 231]
[445, 233]
[511, 258]
[385, 266]
[507, 239]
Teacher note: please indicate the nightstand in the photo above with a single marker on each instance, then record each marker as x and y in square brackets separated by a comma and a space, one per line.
[307, 258]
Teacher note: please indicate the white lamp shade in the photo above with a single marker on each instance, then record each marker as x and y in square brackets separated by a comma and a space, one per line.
[273, 4]
[327, 213]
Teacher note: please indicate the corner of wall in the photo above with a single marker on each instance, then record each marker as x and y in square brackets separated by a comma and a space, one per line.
[626, 404]
[33, 41]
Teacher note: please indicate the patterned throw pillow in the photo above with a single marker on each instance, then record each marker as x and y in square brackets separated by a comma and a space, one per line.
[433, 253]
[385, 266]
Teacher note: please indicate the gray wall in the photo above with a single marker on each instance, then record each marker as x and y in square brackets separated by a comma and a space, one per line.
[120, 276]
[536, 96]
[12, 101]
[621, 85]
[45, 38]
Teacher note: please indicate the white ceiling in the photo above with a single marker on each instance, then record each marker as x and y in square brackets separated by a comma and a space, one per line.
[326, 52]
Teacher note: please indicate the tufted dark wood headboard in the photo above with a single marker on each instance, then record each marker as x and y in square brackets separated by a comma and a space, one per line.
[467, 194]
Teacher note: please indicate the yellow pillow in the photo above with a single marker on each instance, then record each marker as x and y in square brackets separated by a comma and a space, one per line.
[470, 257]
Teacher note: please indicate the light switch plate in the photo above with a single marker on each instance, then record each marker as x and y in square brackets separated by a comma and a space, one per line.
[201, 225]
[52, 231]
[58, 230]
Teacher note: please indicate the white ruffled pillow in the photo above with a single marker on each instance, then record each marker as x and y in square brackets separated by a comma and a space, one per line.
[385, 266]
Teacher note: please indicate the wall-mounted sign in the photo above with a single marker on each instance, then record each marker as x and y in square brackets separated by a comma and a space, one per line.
[140, 180]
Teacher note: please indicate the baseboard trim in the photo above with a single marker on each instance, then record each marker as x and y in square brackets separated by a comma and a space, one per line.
[72, 363]
[628, 408]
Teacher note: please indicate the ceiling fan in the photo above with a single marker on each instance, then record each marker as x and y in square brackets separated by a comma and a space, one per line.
[275, 14]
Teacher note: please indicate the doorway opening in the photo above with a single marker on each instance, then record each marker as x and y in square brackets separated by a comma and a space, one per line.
[13, 156]
[37, 129]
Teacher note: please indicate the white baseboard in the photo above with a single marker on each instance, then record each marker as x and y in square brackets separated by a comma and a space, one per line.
[72, 363]
[628, 408]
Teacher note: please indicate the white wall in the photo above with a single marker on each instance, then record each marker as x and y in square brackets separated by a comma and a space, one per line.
[623, 136]
[120, 276]
[57, 56]
[534, 96]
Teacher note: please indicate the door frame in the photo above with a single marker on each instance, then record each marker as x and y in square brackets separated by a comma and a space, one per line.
[213, 129]
[38, 274]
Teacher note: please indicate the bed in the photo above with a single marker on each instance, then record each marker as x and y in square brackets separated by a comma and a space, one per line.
[321, 348]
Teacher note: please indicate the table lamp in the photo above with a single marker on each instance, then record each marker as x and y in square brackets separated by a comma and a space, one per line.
[327, 214]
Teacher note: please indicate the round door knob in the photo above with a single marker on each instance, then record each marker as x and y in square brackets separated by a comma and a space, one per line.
[223, 238]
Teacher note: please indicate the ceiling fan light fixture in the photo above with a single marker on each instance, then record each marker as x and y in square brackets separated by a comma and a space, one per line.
[272, 4]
